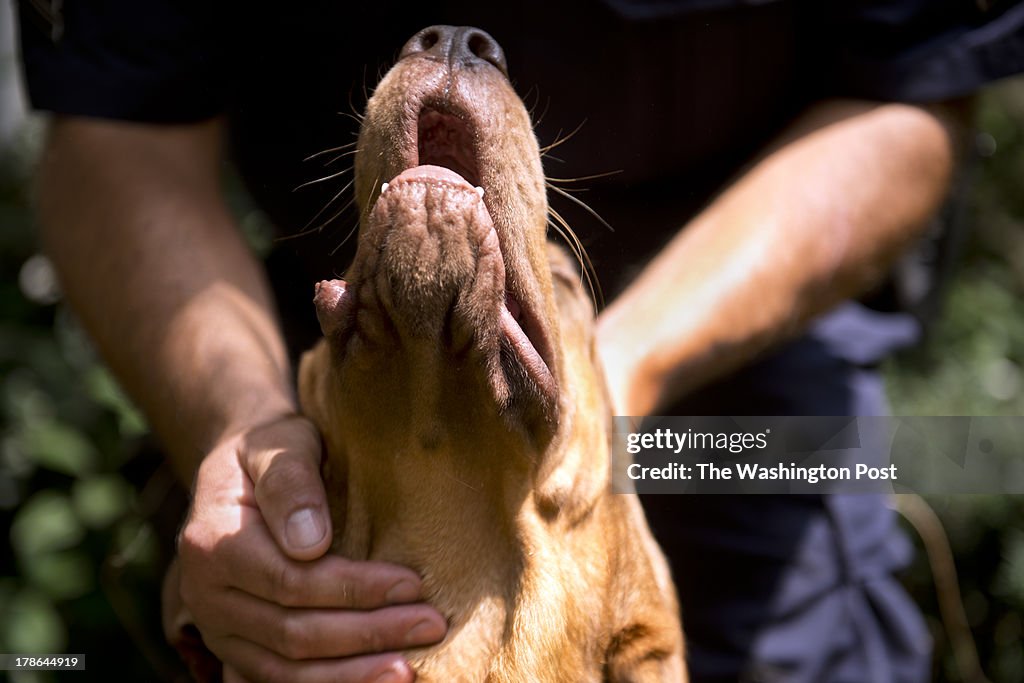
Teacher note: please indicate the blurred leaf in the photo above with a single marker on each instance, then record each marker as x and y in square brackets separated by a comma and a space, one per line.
[32, 676]
[33, 625]
[258, 232]
[1010, 579]
[23, 399]
[74, 345]
[982, 328]
[1009, 663]
[8, 588]
[1010, 630]
[101, 500]
[10, 495]
[62, 575]
[59, 447]
[46, 522]
[105, 390]
[135, 543]
[13, 460]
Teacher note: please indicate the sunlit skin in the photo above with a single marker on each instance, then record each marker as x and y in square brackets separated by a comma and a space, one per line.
[134, 219]
[817, 219]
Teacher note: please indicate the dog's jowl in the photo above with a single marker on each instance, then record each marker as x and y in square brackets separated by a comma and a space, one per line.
[465, 420]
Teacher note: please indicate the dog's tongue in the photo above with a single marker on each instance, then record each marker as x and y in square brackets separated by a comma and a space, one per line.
[428, 172]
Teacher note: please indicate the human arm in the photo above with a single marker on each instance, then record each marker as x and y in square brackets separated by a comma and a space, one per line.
[816, 219]
[153, 265]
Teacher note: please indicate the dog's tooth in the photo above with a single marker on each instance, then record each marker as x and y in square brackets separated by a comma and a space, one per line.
[479, 191]
[383, 187]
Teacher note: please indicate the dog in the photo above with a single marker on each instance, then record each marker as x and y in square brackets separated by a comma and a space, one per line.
[465, 420]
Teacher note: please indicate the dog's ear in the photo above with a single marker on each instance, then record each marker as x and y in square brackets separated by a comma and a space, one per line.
[572, 484]
[576, 308]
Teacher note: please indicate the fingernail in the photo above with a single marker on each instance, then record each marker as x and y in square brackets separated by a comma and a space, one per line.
[395, 673]
[305, 528]
[426, 631]
[403, 591]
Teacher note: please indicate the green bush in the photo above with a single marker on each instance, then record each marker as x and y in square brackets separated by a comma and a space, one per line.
[971, 365]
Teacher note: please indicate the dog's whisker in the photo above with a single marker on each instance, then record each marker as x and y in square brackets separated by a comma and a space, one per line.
[544, 111]
[363, 90]
[587, 271]
[366, 209]
[320, 180]
[341, 156]
[322, 152]
[306, 228]
[474, 489]
[355, 117]
[584, 272]
[320, 226]
[559, 139]
[348, 235]
[533, 92]
[334, 216]
[588, 275]
[352, 106]
[582, 178]
[582, 204]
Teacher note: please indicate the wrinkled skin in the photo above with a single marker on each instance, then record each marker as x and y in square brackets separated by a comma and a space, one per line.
[464, 416]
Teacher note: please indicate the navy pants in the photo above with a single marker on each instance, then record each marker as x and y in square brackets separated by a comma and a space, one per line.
[796, 588]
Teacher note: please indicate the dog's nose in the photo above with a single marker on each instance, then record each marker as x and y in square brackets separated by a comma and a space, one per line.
[463, 45]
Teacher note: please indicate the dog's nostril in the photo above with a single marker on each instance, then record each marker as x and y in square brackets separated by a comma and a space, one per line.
[462, 45]
[428, 40]
[423, 41]
[433, 40]
[486, 48]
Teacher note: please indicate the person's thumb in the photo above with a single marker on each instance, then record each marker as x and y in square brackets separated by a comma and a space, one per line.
[283, 460]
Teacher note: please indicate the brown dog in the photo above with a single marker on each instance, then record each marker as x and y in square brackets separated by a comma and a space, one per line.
[465, 421]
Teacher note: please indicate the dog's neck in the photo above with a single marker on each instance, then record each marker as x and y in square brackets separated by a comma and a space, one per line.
[444, 483]
[451, 512]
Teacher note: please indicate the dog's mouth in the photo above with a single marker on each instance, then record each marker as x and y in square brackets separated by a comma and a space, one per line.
[451, 261]
[446, 139]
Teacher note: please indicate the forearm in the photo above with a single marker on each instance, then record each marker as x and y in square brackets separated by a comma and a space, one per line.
[817, 219]
[151, 262]
[154, 266]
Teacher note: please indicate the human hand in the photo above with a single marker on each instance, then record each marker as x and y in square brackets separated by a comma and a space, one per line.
[252, 576]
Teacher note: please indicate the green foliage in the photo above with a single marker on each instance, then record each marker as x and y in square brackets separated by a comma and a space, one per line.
[83, 572]
[101, 500]
[58, 447]
[105, 391]
[43, 524]
[972, 365]
[33, 624]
